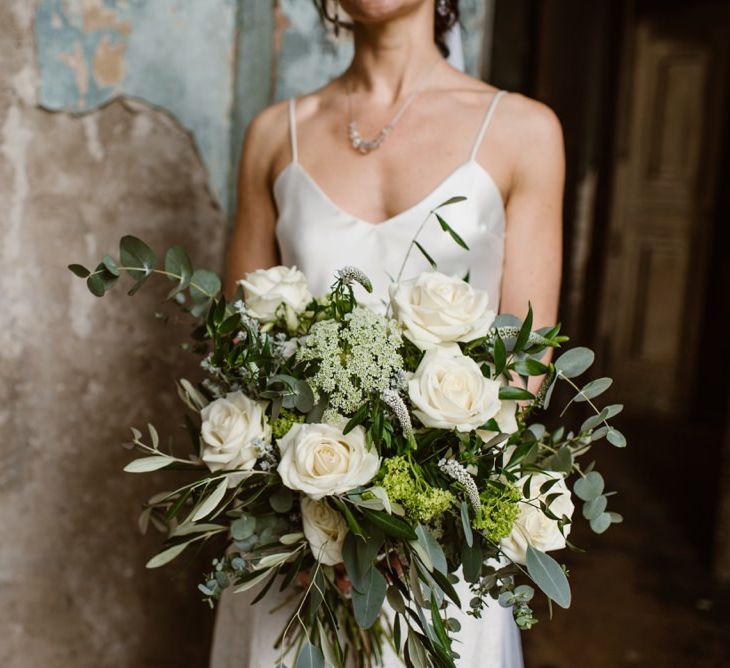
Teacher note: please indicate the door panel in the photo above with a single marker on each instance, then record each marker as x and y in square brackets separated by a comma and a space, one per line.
[662, 210]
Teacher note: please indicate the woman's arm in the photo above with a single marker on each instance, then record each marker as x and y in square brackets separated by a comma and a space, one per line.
[533, 245]
[253, 242]
[534, 237]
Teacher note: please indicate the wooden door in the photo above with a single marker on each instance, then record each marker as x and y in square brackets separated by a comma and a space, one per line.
[665, 179]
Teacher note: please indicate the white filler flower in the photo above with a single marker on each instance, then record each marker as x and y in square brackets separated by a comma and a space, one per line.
[436, 309]
[449, 391]
[532, 526]
[325, 529]
[319, 460]
[266, 290]
[232, 428]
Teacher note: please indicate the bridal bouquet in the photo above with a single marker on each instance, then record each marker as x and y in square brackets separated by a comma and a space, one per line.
[367, 462]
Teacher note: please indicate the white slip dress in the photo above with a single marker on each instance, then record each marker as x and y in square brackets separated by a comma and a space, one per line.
[319, 237]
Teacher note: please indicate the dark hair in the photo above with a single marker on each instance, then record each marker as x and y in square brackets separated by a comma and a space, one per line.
[445, 18]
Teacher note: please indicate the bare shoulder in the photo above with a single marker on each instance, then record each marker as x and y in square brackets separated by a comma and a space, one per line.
[267, 139]
[530, 123]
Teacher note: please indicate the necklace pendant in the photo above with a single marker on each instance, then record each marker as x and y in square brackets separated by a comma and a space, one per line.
[365, 146]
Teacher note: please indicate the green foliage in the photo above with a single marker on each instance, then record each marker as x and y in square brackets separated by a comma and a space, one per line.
[499, 510]
[404, 485]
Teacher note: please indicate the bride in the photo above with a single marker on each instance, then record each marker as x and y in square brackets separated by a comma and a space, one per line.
[347, 174]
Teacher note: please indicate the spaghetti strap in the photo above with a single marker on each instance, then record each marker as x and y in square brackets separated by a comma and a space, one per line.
[485, 123]
[293, 128]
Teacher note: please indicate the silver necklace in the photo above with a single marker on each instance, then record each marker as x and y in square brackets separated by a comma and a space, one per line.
[365, 146]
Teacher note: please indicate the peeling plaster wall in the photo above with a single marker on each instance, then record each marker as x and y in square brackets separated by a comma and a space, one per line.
[211, 64]
[174, 54]
[76, 371]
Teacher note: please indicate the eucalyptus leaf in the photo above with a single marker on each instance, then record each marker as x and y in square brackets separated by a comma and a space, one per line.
[548, 576]
[139, 259]
[593, 389]
[367, 604]
[589, 487]
[177, 262]
[79, 270]
[466, 524]
[574, 362]
[431, 545]
[616, 438]
[204, 285]
[595, 507]
[601, 523]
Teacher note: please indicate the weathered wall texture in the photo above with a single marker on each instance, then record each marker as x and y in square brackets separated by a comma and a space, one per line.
[75, 371]
[116, 116]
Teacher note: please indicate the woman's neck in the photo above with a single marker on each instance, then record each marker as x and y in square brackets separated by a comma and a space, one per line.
[392, 57]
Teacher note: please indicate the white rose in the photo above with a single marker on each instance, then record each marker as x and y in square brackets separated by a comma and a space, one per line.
[506, 419]
[532, 526]
[265, 290]
[325, 529]
[449, 392]
[319, 460]
[436, 309]
[231, 425]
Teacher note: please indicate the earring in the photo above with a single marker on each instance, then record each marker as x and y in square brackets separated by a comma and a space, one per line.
[442, 7]
[337, 18]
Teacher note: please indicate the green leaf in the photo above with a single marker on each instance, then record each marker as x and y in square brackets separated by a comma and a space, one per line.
[96, 285]
[368, 603]
[243, 527]
[352, 523]
[574, 362]
[395, 600]
[525, 331]
[211, 502]
[137, 256]
[595, 507]
[430, 544]
[601, 523]
[466, 524]
[282, 500]
[166, 556]
[442, 580]
[590, 487]
[146, 464]
[452, 200]
[447, 228]
[593, 389]
[309, 657]
[530, 367]
[177, 262]
[471, 562]
[358, 555]
[517, 393]
[110, 265]
[548, 576]
[79, 270]
[500, 355]
[429, 259]
[616, 438]
[390, 524]
[204, 285]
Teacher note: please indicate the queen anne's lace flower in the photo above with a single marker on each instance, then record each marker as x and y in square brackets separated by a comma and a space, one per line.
[353, 358]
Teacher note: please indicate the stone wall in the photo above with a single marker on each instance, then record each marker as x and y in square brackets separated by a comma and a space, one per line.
[116, 117]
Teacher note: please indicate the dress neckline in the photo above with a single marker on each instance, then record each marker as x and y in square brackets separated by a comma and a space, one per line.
[309, 179]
